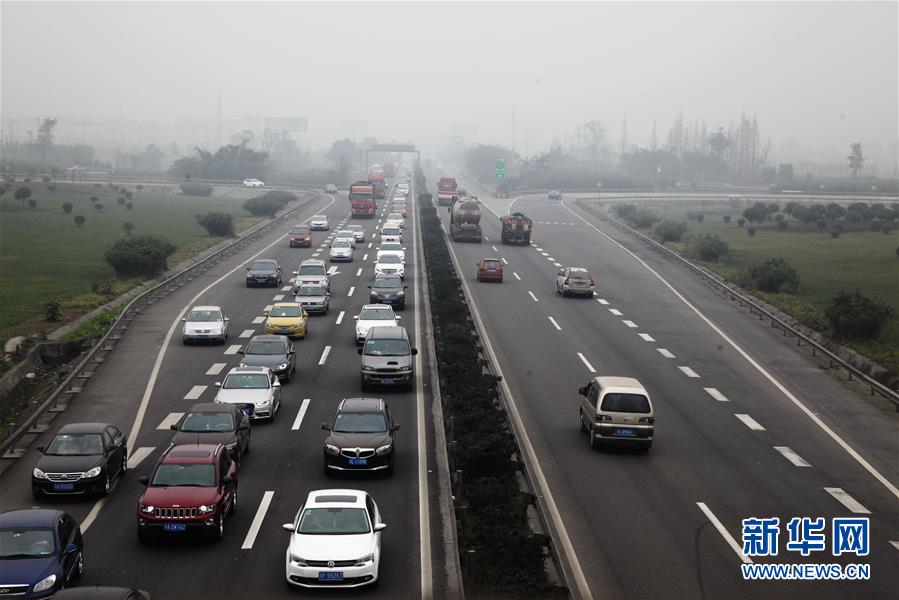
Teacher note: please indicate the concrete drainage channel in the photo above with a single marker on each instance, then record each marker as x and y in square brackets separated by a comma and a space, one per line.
[64, 394]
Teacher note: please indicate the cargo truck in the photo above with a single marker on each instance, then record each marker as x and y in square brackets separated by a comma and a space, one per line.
[380, 186]
[465, 219]
[516, 229]
[362, 200]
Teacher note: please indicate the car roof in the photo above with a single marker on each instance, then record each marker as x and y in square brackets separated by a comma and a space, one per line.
[377, 307]
[361, 404]
[218, 308]
[248, 370]
[621, 384]
[264, 260]
[190, 454]
[391, 332]
[490, 258]
[312, 261]
[351, 227]
[213, 407]
[30, 517]
[83, 428]
[268, 338]
[285, 304]
[578, 269]
[336, 497]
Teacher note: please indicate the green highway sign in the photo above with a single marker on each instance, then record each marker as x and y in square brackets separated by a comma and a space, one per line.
[500, 173]
[500, 163]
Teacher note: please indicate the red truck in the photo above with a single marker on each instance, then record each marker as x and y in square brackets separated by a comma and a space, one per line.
[362, 200]
[446, 190]
[377, 180]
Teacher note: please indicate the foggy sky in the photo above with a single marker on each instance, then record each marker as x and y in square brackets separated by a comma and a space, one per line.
[817, 75]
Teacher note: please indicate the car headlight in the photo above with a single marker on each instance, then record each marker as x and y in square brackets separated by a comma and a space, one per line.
[265, 402]
[365, 368]
[365, 559]
[297, 561]
[38, 474]
[242, 365]
[282, 366]
[206, 509]
[385, 449]
[45, 584]
[147, 508]
[93, 472]
[331, 449]
[404, 369]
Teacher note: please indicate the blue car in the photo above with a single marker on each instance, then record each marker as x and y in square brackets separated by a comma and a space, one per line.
[41, 552]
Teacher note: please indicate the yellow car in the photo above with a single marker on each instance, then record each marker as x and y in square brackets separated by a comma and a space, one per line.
[287, 318]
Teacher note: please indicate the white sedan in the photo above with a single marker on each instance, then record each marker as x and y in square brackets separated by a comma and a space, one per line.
[258, 387]
[319, 223]
[389, 264]
[393, 248]
[374, 315]
[341, 250]
[335, 540]
[205, 323]
[253, 183]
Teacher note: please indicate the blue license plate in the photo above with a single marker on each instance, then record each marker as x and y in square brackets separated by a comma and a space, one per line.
[284, 331]
[330, 575]
[388, 301]
[625, 432]
[358, 461]
[63, 487]
[202, 337]
[175, 527]
[261, 280]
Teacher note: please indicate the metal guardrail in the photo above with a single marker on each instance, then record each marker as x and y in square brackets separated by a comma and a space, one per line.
[58, 400]
[755, 308]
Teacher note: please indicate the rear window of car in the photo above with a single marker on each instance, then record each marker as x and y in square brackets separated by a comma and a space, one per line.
[491, 263]
[628, 403]
[579, 275]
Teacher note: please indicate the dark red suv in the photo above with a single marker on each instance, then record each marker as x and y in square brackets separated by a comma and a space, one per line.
[300, 236]
[192, 488]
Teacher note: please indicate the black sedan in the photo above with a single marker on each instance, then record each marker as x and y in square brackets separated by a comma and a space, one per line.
[388, 289]
[211, 423]
[273, 351]
[362, 437]
[81, 459]
[264, 272]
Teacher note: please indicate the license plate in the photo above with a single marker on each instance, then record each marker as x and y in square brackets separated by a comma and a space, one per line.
[175, 527]
[203, 337]
[625, 432]
[285, 331]
[63, 487]
[330, 575]
[388, 301]
[261, 280]
[358, 461]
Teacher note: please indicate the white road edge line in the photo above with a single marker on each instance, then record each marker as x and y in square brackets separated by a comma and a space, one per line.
[808, 412]
[257, 521]
[586, 362]
[791, 456]
[299, 420]
[340, 318]
[848, 501]
[325, 354]
[553, 321]
[724, 533]
[714, 393]
[749, 422]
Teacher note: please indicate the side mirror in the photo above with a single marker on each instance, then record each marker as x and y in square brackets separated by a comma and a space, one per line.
[356, 318]
[369, 287]
[359, 350]
[144, 480]
[227, 318]
[71, 549]
[244, 425]
[276, 383]
[291, 352]
[399, 317]
[218, 384]
[227, 479]
[242, 352]
[326, 427]
[173, 427]
[414, 351]
[248, 268]
[41, 449]
[380, 526]
[184, 319]
[296, 272]
[396, 427]
[582, 390]
[288, 527]
[405, 287]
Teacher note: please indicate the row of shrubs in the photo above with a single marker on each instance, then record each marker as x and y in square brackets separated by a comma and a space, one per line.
[268, 204]
[492, 525]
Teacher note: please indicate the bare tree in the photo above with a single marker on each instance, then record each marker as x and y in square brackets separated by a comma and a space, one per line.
[591, 141]
[856, 158]
[45, 135]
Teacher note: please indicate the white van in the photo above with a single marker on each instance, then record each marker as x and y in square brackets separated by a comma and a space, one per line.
[617, 410]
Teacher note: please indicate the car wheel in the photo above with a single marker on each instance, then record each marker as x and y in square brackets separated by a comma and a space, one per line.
[592, 442]
[219, 532]
[246, 450]
[233, 502]
[124, 467]
[79, 567]
[580, 417]
[107, 485]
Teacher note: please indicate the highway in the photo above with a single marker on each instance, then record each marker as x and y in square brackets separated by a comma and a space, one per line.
[152, 378]
[746, 425]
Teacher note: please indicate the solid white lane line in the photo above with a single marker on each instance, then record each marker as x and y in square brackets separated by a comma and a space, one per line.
[602, 301]
[286, 288]
[586, 362]
[615, 312]
[714, 393]
[258, 320]
[688, 372]
[533, 296]
[257, 520]
[195, 392]
[299, 420]
[553, 321]
[365, 257]
[138, 455]
[324, 357]
[646, 337]
[340, 317]
[505, 262]
[494, 248]
[358, 271]
[267, 308]
[846, 500]
[516, 275]
[630, 324]
[724, 533]
[216, 368]
[233, 349]
[170, 420]
[352, 289]
[791, 456]
[665, 352]
[278, 297]
[749, 422]
[247, 333]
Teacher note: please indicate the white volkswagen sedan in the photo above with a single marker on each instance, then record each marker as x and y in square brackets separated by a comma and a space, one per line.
[205, 323]
[374, 315]
[335, 540]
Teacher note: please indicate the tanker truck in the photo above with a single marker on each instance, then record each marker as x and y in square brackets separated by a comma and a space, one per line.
[465, 218]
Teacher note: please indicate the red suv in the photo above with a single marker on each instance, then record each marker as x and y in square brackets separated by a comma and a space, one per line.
[490, 269]
[192, 488]
[300, 236]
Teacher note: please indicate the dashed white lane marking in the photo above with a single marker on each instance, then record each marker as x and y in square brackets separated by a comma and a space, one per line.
[724, 533]
[267, 308]
[533, 297]
[665, 352]
[195, 392]
[352, 289]
[487, 239]
[895, 544]
[586, 362]
[846, 500]
[257, 520]
[170, 420]
[258, 321]
[369, 245]
[791, 456]
[216, 368]
[233, 349]
[516, 275]
[556, 264]
[324, 357]
[545, 253]
[365, 257]
[494, 248]
[299, 420]
[278, 297]
[749, 422]
[139, 455]
[247, 333]
[646, 337]
[714, 393]
[551, 259]
[358, 271]
[602, 301]
[340, 317]
[553, 321]
[286, 288]
[538, 248]
[505, 262]
[630, 324]
[688, 372]
[316, 253]
[615, 312]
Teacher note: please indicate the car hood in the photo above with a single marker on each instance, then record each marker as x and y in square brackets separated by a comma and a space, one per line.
[388, 292]
[312, 278]
[332, 547]
[204, 437]
[310, 299]
[29, 570]
[210, 325]
[264, 360]
[243, 396]
[366, 325]
[178, 496]
[284, 321]
[68, 464]
[387, 362]
[341, 251]
[358, 440]
[261, 273]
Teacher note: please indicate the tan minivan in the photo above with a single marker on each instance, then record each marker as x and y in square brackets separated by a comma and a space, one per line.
[616, 410]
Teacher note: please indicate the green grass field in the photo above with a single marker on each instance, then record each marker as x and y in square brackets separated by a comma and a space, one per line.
[44, 255]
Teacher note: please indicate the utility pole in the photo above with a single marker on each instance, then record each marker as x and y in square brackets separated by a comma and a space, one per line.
[218, 124]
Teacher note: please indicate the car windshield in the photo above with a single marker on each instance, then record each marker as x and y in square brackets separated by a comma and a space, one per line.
[312, 270]
[390, 283]
[344, 233]
[629, 403]
[75, 444]
[390, 231]
[299, 230]
[390, 259]
[391, 246]
[320, 218]
[26, 543]
[266, 347]
[333, 521]
[358, 422]
[263, 265]
[310, 290]
[246, 381]
[340, 244]
[285, 311]
[376, 314]
[204, 316]
[184, 475]
[386, 347]
[208, 421]
[355, 227]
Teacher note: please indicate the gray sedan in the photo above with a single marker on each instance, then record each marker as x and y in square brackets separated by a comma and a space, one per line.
[313, 297]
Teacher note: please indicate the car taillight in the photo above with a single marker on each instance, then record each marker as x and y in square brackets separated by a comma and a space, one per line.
[600, 418]
[647, 419]
[592, 283]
